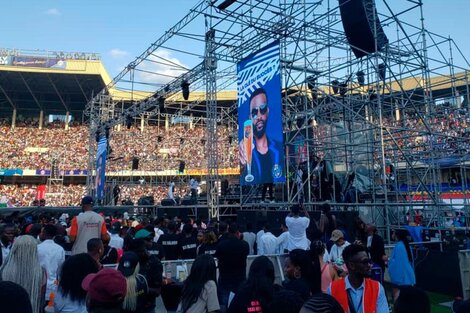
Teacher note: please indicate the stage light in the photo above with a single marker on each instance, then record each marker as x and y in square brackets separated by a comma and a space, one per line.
[361, 78]
[185, 89]
[335, 86]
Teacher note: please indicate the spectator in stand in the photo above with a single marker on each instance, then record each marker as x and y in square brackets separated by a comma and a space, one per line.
[231, 254]
[105, 291]
[23, 268]
[137, 286]
[70, 296]
[51, 256]
[7, 236]
[257, 292]
[400, 265]
[14, 298]
[86, 226]
[366, 295]
[297, 226]
[200, 290]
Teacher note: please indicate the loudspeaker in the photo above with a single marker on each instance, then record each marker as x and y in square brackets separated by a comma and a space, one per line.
[146, 200]
[358, 18]
[135, 163]
[168, 202]
[182, 166]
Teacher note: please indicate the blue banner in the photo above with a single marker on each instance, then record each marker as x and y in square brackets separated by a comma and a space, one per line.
[260, 136]
[100, 178]
[11, 172]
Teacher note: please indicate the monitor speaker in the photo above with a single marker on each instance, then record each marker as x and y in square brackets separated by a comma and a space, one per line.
[358, 17]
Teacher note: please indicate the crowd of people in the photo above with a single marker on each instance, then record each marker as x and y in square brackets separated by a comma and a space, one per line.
[157, 148]
[97, 263]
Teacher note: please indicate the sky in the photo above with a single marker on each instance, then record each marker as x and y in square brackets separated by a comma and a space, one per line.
[121, 30]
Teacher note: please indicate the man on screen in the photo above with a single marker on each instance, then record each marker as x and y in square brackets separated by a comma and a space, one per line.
[266, 162]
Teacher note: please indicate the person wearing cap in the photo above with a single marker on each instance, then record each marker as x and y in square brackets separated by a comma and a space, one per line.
[297, 226]
[116, 241]
[85, 226]
[106, 291]
[152, 247]
[151, 268]
[137, 286]
[340, 243]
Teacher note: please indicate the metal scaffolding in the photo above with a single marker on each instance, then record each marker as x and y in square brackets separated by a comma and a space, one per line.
[372, 129]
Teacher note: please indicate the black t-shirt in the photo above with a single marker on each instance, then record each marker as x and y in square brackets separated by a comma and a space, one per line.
[231, 254]
[187, 247]
[207, 248]
[170, 245]
[300, 286]
[157, 250]
[152, 270]
[110, 256]
[266, 165]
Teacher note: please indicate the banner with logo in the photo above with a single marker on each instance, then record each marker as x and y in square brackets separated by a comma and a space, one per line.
[260, 138]
[38, 62]
[100, 177]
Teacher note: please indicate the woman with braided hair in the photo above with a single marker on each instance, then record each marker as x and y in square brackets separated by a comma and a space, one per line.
[22, 267]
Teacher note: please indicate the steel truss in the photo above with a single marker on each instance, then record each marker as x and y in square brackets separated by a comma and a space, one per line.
[381, 131]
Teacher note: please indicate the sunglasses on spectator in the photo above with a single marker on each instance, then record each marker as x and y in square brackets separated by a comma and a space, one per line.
[263, 108]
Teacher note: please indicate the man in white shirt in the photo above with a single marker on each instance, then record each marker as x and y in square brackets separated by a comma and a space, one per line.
[51, 256]
[336, 251]
[267, 244]
[250, 237]
[283, 240]
[116, 241]
[171, 192]
[298, 229]
[259, 234]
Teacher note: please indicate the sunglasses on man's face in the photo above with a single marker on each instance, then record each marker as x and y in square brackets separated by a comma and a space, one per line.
[263, 108]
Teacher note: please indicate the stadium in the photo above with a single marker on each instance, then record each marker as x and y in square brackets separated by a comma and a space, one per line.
[372, 118]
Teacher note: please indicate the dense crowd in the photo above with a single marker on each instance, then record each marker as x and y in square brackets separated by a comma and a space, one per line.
[116, 266]
[70, 195]
[28, 147]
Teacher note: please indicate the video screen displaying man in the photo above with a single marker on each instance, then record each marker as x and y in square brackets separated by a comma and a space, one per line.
[265, 162]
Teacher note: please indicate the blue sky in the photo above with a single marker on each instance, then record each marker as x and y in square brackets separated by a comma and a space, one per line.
[120, 30]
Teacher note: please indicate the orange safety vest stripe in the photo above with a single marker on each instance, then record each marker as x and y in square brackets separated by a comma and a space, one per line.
[369, 299]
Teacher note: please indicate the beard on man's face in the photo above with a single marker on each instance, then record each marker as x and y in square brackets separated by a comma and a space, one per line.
[259, 132]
